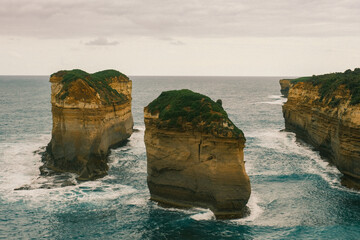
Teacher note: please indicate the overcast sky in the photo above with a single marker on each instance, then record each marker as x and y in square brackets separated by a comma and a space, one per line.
[180, 37]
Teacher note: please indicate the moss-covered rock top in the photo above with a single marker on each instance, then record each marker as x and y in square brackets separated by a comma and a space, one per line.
[328, 83]
[99, 82]
[181, 109]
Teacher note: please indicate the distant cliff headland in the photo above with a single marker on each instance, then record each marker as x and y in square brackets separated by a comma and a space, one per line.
[324, 111]
[91, 113]
[195, 154]
[285, 86]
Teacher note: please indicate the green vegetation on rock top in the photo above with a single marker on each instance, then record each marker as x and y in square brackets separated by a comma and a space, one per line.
[328, 83]
[300, 79]
[99, 81]
[178, 107]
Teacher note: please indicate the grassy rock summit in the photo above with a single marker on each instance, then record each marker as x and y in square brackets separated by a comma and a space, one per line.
[195, 154]
[91, 113]
[324, 111]
[185, 109]
[102, 87]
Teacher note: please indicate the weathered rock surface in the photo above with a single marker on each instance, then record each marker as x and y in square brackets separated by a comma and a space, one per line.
[91, 113]
[331, 124]
[195, 155]
[285, 86]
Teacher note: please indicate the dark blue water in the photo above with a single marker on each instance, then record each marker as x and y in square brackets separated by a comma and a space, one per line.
[295, 194]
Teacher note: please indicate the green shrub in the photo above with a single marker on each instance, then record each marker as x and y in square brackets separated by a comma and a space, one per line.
[301, 79]
[184, 106]
[99, 81]
[328, 83]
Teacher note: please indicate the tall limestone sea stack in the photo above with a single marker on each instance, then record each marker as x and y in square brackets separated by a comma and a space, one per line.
[325, 112]
[195, 154]
[91, 113]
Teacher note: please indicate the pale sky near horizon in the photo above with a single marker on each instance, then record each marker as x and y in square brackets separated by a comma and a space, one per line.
[180, 37]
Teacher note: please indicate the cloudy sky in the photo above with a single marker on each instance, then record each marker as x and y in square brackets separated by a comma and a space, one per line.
[180, 37]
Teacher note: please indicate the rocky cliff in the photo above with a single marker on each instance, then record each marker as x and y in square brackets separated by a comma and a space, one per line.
[325, 112]
[285, 86]
[195, 154]
[91, 113]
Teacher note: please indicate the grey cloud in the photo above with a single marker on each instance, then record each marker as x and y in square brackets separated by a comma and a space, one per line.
[177, 42]
[101, 41]
[172, 41]
[177, 18]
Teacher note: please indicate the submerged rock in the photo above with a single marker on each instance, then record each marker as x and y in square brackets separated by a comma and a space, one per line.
[91, 113]
[195, 155]
[325, 112]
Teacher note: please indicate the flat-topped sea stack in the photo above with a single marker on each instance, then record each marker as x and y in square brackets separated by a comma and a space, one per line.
[91, 113]
[325, 112]
[195, 155]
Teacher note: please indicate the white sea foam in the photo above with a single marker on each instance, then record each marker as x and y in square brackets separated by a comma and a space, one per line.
[20, 165]
[286, 142]
[95, 192]
[274, 96]
[255, 210]
[138, 200]
[253, 205]
[278, 100]
[203, 216]
[132, 151]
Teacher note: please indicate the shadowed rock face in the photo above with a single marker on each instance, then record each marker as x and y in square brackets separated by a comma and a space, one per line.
[91, 113]
[331, 125]
[285, 86]
[195, 161]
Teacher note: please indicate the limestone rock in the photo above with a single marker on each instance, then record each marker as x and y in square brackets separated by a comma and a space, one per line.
[331, 123]
[91, 113]
[195, 155]
[285, 86]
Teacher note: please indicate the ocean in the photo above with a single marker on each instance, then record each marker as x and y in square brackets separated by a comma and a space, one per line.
[295, 193]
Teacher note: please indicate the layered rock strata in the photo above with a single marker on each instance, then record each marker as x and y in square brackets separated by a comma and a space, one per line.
[91, 113]
[329, 120]
[195, 155]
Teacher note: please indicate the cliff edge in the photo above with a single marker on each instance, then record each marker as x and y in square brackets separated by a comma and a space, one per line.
[325, 112]
[285, 86]
[195, 154]
[91, 113]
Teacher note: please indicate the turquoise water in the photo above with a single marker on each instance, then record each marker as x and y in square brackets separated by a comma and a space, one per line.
[295, 194]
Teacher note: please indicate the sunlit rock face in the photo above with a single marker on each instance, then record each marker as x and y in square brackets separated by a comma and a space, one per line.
[330, 121]
[195, 155]
[91, 113]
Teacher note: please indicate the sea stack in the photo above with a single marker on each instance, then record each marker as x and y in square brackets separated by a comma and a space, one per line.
[325, 112]
[195, 155]
[91, 113]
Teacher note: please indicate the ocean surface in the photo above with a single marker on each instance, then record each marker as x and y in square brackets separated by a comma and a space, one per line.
[295, 193]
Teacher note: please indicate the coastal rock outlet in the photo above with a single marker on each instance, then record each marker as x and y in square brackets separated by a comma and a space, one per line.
[285, 86]
[91, 113]
[325, 112]
[195, 155]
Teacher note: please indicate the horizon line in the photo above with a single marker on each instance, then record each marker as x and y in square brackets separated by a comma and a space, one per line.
[45, 75]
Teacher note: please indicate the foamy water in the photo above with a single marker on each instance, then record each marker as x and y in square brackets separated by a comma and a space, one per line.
[295, 193]
[275, 99]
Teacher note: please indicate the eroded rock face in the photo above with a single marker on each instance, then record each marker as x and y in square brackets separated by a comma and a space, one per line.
[195, 161]
[91, 113]
[285, 86]
[331, 125]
